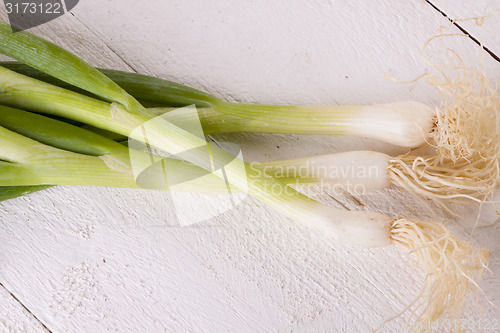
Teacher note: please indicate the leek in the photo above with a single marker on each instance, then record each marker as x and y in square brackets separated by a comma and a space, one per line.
[451, 265]
[368, 229]
[11, 192]
[359, 171]
[465, 130]
[63, 154]
[403, 123]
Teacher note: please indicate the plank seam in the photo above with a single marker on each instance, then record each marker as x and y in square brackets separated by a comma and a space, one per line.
[475, 40]
[25, 307]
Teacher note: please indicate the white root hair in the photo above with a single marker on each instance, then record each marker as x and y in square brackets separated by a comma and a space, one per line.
[452, 267]
[466, 139]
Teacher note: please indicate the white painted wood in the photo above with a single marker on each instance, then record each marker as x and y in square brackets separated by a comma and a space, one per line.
[14, 317]
[476, 17]
[86, 259]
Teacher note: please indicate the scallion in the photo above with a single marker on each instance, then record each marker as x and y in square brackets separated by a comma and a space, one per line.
[452, 265]
[464, 130]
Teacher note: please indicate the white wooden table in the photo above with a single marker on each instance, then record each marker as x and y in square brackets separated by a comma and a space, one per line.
[81, 259]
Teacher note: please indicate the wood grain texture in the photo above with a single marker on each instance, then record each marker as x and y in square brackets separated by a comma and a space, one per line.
[92, 260]
[477, 18]
[14, 317]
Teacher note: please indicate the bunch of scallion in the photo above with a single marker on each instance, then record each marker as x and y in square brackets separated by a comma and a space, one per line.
[63, 122]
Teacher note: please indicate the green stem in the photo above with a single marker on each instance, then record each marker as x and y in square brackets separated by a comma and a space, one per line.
[56, 133]
[59, 63]
[216, 115]
[183, 176]
[12, 192]
[33, 163]
[228, 117]
[127, 117]
[147, 89]
[404, 123]
[27, 93]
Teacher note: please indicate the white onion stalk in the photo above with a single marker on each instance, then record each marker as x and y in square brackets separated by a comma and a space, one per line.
[406, 123]
[359, 171]
[363, 170]
[466, 141]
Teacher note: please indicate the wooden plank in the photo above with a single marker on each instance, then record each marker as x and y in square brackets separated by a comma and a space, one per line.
[86, 259]
[14, 317]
